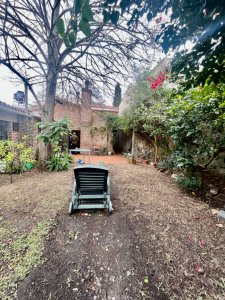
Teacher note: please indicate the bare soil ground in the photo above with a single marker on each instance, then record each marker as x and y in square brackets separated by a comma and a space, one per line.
[159, 243]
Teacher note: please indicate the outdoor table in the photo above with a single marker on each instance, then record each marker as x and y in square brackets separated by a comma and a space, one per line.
[83, 151]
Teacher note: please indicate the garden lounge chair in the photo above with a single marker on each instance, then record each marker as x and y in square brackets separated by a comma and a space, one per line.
[91, 189]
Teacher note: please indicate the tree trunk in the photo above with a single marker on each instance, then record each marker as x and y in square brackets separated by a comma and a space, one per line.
[48, 109]
[51, 83]
[47, 116]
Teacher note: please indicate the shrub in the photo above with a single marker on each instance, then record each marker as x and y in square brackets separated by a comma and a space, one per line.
[56, 134]
[16, 155]
[188, 182]
[167, 164]
[59, 162]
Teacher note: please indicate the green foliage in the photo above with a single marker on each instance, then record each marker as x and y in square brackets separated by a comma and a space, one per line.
[98, 130]
[189, 182]
[167, 163]
[117, 95]
[16, 155]
[201, 22]
[112, 122]
[82, 15]
[59, 162]
[60, 27]
[196, 125]
[56, 134]
[85, 27]
[142, 93]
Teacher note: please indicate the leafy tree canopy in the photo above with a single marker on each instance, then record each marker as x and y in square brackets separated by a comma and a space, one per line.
[200, 22]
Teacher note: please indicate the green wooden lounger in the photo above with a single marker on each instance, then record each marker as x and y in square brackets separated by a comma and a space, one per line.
[91, 189]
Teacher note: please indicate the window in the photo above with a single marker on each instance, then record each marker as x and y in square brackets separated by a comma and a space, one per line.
[15, 127]
[3, 130]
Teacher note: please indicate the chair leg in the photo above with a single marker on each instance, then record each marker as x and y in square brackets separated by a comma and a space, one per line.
[109, 205]
[71, 210]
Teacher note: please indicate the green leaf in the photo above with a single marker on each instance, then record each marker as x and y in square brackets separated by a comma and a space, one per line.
[146, 279]
[123, 6]
[149, 16]
[72, 39]
[87, 14]
[60, 27]
[73, 25]
[78, 6]
[66, 40]
[106, 16]
[114, 17]
[85, 27]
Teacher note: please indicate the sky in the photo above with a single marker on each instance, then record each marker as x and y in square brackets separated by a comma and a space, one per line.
[7, 87]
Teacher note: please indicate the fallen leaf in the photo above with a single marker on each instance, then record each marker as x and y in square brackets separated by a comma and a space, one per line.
[189, 238]
[202, 243]
[199, 269]
[146, 279]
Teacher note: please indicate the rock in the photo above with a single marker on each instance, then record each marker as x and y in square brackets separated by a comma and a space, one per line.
[214, 211]
[174, 176]
[214, 191]
[219, 225]
[221, 214]
[208, 195]
[167, 172]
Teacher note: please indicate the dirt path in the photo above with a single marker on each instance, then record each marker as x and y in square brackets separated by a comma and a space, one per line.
[93, 256]
[158, 244]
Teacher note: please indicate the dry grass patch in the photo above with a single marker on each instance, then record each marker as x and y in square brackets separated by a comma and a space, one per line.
[28, 209]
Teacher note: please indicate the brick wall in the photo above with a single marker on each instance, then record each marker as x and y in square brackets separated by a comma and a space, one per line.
[100, 139]
[83, 119]
[70, 110]
[28, 127]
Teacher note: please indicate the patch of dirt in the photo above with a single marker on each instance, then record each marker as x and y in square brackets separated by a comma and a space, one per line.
[158, 244]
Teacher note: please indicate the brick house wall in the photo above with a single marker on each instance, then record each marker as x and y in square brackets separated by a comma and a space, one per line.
[99, 139]
[84, 117]
[17, 124]
[70, 110]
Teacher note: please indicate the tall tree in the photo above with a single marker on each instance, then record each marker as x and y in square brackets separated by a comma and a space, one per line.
[117, 95]
[62, 43]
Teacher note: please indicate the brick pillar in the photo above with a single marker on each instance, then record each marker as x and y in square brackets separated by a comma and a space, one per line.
[85, 125]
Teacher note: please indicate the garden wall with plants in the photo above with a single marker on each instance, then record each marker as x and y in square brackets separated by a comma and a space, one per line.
[185, 127]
